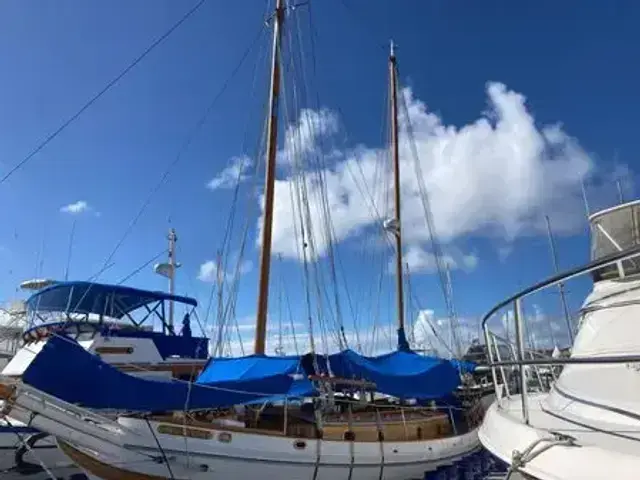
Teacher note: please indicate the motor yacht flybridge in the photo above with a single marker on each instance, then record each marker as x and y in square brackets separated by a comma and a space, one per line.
[585, 424]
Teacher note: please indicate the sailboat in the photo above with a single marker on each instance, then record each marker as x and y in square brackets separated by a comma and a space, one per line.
[586, 424]
[286, 420]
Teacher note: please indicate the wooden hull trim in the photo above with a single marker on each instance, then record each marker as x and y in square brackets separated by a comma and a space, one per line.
[102, 470]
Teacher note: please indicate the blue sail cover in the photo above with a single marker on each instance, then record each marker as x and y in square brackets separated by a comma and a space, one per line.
[67, 371]
[463, 366]
[269, 375]
[402, 374]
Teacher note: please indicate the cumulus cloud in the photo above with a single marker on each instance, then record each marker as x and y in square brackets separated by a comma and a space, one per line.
[434, 334]
[497, 176]
[419, 260]
[295, 339]
[75, 208]
[210, 273]
[303, 137]
[235, 172]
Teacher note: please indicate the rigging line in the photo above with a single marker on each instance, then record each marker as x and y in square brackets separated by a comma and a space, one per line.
[143, 266]
[164, 456]
[186, 144]
[329, 226]
[317, 270]
[424, 197]
[305, 235]
[104, 90]
[262, 55]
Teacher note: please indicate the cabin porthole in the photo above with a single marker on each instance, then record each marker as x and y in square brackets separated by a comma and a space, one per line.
[299, 444]
[224, 437]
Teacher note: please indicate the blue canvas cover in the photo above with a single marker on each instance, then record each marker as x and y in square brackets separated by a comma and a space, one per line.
[402, 374]
[463, 366]
[67, 371]
[114, 301]
[270, 375]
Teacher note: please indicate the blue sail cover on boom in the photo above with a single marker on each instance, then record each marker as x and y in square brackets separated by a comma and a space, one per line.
[268, 375]
[67, 371]
[402, 374]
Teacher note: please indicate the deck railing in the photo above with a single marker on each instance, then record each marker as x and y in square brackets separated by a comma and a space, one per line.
[524, 364]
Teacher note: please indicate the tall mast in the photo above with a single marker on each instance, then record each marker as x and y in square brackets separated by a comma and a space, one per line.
[270, 175]
[402, 339]
[172, 271]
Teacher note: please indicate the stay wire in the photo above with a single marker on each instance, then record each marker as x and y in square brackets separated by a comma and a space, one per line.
[143, 266]
[164, 455]
[104, 90]
[186, 144]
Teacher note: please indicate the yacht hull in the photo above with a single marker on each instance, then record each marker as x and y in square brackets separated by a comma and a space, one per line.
[141, 449]
[503, 432]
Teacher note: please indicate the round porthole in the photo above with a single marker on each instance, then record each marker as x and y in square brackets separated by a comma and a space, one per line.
[224, 437]
[299, 444]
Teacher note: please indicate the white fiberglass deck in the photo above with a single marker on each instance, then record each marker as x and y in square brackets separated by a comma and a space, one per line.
[602, 448]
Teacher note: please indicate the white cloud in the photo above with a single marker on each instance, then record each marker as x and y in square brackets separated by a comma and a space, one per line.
[420, 261]
[209, 271]
[302, 138]
[435, 334]
[75, 208]
[498, 176]
[235, 172]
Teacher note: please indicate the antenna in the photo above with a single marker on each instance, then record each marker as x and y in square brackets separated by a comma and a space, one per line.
[73, 231]
[563, 298]
[620, 196]
[584, 197]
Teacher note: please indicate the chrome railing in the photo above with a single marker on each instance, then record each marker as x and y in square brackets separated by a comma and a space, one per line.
[528, 370]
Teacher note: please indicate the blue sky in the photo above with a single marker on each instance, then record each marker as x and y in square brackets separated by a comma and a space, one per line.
[573, 62]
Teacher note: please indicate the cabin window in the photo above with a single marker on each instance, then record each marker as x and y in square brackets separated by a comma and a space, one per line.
[224, 437]
[299, 444]
[114, 350]
[380, 436]
[349, 436]
[419, 433]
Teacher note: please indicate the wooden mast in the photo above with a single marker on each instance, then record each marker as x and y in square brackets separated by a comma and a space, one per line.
[272, 144]
[396, 185]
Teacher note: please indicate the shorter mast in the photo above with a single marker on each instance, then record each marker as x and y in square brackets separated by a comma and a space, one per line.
[172, 272]
[402, 337]
[169, 270]
[269, 187]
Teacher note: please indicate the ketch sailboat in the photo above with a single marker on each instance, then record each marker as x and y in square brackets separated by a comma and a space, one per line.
[288, 421]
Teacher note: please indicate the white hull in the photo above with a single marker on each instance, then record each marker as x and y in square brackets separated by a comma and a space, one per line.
[44, 451]
[107, 449]
[593, 458]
